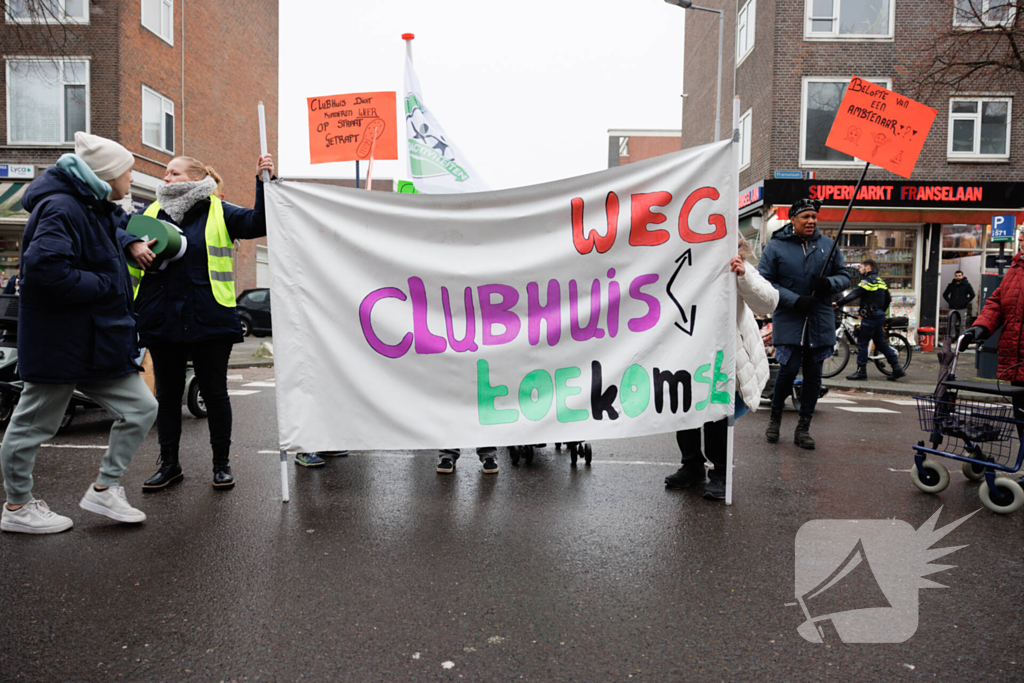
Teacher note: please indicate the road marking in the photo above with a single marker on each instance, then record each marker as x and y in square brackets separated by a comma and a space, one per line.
[835, 400]
[235, 378]
[900, 402]
[259, 384]
[68, 445]
[410, 456]
[240, 392]
[859, 409]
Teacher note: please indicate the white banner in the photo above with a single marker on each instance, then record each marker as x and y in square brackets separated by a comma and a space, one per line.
[435, 164]
[588, 308]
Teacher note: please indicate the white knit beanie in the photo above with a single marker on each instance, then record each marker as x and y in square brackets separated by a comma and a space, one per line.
[106, 158]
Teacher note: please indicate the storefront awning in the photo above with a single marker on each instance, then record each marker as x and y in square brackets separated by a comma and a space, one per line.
[10, 201]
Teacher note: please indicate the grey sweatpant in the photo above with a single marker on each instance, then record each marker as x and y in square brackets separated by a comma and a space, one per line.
[38, 415]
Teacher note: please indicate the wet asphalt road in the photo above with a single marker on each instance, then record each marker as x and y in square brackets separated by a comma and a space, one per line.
[381, 570]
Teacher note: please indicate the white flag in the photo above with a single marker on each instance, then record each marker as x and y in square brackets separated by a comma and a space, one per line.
[436, 166]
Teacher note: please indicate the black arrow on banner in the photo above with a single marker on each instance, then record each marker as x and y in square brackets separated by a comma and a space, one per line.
[686, 259]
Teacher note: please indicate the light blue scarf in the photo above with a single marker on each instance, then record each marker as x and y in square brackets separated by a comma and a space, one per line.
[72, 164]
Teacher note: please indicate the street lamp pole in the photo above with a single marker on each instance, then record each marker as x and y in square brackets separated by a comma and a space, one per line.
[688, 4]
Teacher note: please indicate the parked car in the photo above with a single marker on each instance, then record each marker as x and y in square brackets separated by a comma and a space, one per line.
[254, 311]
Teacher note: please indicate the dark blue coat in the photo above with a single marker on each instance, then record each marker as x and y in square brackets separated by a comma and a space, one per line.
[789, 262]
[176, 305]
[75, 320]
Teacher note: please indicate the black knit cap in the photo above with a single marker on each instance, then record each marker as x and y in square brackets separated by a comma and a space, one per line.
[801, 205]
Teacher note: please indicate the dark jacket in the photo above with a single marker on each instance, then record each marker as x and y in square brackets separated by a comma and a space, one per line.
[176, 305]
[873, 294]
[1005, 308]
[75, 319]
[789, 262]
[958, 295]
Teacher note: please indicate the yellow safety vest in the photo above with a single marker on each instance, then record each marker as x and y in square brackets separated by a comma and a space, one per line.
[219, 255]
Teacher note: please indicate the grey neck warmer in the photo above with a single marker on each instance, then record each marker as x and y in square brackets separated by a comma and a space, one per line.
[177, 198]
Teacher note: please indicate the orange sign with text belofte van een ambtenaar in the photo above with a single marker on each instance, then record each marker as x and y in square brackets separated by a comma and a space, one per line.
[880, 127]
[344, 127]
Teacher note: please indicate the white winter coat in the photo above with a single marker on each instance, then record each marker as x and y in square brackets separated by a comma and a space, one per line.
[755, 295]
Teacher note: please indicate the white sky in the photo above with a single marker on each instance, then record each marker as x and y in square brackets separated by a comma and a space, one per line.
[527, 90]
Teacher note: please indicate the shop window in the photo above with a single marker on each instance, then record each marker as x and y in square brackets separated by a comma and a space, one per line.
[48, 100]
[819, 105]
[158, 17]
[984, 13]
[895, 251]
[850, 19]
[745, 25]
[157, 121]
[745, 139]
[48, 11]
[979, 128]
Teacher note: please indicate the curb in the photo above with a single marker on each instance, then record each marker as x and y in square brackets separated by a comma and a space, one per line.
[254, 363]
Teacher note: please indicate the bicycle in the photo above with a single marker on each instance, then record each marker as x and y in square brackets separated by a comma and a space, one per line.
[846, 337]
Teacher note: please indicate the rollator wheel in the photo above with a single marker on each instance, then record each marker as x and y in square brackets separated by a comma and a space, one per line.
[528, 455]
[513, 455]
[1010, 497]
[973, 472]
[588, 453]
[935, 477]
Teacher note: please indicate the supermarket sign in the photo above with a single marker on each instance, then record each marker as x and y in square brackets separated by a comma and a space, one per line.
[903, 195]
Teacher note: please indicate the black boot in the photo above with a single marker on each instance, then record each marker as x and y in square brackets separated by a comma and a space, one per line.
[685, 477]
[802, 436]
[862, 373]
[774, 423]
[897, 372]
[714, 489]
[222, 478]
[168, 473]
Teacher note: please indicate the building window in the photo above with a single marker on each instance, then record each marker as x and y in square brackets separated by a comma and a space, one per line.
[979, 128]
[624, 146]
[745, 23]
[48, 11]
[819, 105]
[850, 19]
[157, 121]
[158, 17]
[984, 13]
[745, 139]
[47, 100]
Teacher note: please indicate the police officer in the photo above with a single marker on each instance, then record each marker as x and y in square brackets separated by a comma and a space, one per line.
[874, 302]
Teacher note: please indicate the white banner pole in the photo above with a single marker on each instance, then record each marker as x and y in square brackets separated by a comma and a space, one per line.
[732, 420]
[263, 138]
[284, 476]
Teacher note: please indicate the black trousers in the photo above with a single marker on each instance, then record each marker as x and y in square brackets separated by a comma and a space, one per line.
[716, 435]
[210, 361]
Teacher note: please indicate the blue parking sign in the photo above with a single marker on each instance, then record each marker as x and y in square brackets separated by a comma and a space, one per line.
[1003, 228]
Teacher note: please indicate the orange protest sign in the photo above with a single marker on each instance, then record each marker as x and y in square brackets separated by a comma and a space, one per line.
[880, 127]
[349, 127]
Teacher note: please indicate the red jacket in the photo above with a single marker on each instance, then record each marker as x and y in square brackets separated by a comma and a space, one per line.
[1005, 307]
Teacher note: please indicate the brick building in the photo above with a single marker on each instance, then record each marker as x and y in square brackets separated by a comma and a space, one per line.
[164, 78]
[788, 62]
[627, 146]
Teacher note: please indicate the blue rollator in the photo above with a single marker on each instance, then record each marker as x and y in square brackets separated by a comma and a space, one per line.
[979, 434]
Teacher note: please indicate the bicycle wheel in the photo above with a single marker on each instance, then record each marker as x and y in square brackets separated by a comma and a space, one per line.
[836, 363]
[903, 351]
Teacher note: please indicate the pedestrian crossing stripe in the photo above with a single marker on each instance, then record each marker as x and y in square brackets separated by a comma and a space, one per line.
[865, 409]
[241, 392]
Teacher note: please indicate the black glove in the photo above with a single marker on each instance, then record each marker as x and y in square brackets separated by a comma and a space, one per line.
[820, 285]
[805, 304]
[971, 335]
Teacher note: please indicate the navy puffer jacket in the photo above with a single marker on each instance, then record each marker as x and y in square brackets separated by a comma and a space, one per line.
[789, 262]
[76, 321]
[176, 305]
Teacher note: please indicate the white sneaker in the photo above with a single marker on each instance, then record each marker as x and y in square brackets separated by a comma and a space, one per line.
[112, 503]
[34, 517]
